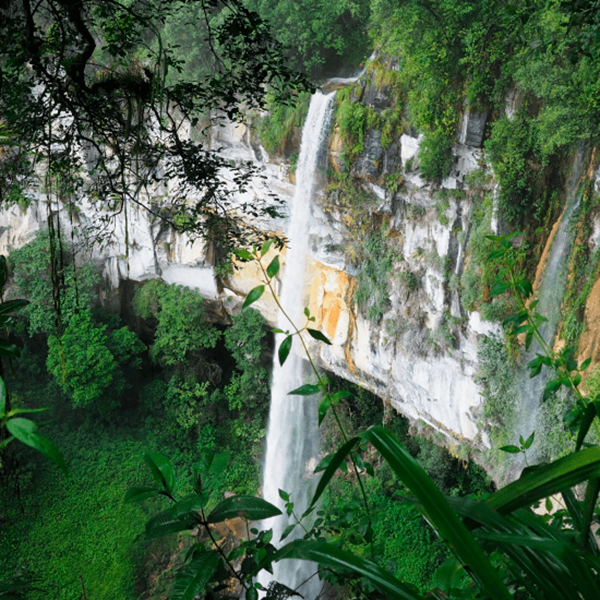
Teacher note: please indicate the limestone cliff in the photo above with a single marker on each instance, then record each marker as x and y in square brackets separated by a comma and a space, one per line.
[420, 351]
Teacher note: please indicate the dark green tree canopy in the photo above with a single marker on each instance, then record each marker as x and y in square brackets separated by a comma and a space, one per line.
[94, 95]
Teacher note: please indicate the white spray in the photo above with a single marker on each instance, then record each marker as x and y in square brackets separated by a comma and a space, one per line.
[292, 438]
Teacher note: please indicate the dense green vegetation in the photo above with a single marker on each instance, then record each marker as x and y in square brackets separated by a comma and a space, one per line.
[194, 387]
[322, 36]
[111, 399]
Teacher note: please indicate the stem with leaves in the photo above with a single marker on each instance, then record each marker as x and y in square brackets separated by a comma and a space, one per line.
[322, 386]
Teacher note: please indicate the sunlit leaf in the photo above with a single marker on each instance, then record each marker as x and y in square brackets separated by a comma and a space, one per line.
[25, 431]
[253, 296]
[265, 247]
[243, 254]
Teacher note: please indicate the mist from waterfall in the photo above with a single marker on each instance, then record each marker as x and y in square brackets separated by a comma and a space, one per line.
[292, 437]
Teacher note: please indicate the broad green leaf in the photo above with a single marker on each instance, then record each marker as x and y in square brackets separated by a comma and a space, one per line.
[323, 463]
[243, 254]
[284, 495]
[551, 386]
[273, 267]
[591, 411]
[287, 531]
[265, 247]
[11, 305]
[317, 335]
[193, 577]
[341, 394]
[2, 397]
[498, 289]
[23, 411]
[284, 349]
[25, 431]
[589, 505]
[437, 511]
[330, 556]
[191, 503]
[6, 442]
[305, 390]
[3, 269]
[334, 464]
[252, 594]
[253, 296]
[9, 350]
[249, 507]
[511, 449]
[547, 480]
[529, 441]
[169, 521]
[585, 364]
[162, 470]
[447, 573]
[137, 494]
[324, 406]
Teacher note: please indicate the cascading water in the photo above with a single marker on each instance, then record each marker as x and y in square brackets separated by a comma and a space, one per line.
[292, 437]
[550, 296]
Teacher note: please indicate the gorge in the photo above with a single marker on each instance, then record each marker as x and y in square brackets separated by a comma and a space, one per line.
[436, 218]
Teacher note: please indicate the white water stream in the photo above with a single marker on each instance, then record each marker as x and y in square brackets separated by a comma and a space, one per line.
[550, 296]
[292, 437]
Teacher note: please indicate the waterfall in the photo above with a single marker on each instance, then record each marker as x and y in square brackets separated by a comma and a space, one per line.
[550, 296]
[292, 437]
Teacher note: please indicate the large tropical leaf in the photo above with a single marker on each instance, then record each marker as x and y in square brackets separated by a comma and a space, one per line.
[249, 507]
[334, 558]
[547, 480]
[170, 521]
[193, 577]
[162, 470]
[438, 511]
[12, 305]
[333, 465]
[25, 431]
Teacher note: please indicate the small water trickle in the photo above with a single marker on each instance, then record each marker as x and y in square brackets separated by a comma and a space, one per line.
[292, 437]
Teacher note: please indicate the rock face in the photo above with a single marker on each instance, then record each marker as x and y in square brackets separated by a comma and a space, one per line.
[420, 354]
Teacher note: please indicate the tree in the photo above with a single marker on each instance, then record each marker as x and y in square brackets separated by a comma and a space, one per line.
[93, 93]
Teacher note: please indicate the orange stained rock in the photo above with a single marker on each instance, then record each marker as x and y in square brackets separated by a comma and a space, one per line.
[589, 342]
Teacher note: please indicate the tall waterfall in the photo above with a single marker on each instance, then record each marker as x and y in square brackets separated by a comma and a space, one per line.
[292, 437]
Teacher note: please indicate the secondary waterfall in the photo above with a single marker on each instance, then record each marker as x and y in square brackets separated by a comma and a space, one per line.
[292, 437]
[550, 295]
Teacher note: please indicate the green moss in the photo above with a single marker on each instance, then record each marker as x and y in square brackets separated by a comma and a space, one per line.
[277, 128]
